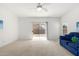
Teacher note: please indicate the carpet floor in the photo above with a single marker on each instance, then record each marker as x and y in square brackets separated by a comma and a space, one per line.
[34, 48]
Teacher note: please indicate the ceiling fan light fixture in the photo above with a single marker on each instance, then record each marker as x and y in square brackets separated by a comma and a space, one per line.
[39, 8]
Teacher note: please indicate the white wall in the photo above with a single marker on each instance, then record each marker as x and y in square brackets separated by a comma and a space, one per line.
[25, 27]
[10, 29]
[70, 20]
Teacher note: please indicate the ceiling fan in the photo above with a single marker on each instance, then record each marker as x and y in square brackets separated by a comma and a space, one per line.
[41, 7]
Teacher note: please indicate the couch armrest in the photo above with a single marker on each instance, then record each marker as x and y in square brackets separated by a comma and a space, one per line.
[62, 37]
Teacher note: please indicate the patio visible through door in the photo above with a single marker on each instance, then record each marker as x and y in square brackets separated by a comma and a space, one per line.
[39, 31]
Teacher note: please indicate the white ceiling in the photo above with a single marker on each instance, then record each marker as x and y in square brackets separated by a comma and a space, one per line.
[29, 9]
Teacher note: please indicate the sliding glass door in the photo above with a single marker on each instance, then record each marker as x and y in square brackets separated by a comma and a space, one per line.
[39, 31]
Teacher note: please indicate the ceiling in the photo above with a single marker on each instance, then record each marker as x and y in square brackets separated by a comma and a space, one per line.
[29, 9]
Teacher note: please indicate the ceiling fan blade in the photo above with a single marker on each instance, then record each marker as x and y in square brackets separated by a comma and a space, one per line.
[44, 9]
[43, 4]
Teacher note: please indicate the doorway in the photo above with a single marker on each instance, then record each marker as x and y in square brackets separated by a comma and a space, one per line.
[39, 30]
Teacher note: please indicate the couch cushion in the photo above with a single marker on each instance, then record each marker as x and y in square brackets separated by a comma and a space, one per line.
[74, 51]
[73, 45]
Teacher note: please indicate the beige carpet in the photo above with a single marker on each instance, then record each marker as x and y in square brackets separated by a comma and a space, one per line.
[34, 48]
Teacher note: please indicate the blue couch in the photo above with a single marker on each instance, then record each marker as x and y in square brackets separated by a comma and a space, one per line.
[66, 42]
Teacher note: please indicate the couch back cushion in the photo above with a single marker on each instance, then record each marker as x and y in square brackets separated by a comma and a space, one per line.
[68, 37]
[74, 34]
